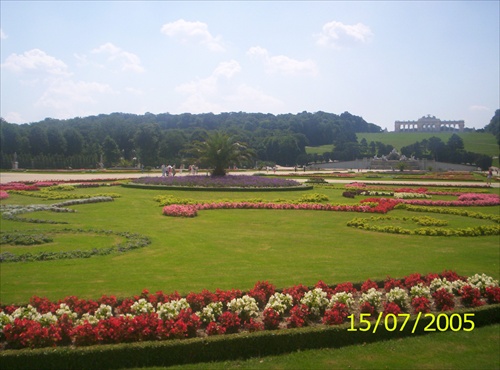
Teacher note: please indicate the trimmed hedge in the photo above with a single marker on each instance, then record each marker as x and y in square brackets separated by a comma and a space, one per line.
[219, 348]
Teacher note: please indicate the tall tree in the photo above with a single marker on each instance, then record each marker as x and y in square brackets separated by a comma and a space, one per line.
[111, 152]
[56, 140]
[437, 148]
[455, 148]
[171, 144]
[74, 141]
[9, 136]
[147, 143]
[39, 143]
[494, 126]
[220, 151]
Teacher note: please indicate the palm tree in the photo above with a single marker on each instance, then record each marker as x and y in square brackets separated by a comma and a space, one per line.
[219, 151]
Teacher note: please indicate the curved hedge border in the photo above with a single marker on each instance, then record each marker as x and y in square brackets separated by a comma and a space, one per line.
[202, 188]
[362, 223]
[133, 241]
[24, 238]
[429, 228]
[218, 348]
[61, 195]
[11, 212]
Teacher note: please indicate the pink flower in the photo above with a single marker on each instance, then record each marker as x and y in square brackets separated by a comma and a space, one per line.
[176, 210]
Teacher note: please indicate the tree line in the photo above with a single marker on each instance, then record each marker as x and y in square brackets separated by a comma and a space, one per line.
[125, 140]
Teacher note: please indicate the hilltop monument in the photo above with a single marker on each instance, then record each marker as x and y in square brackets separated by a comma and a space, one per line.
[428, 124]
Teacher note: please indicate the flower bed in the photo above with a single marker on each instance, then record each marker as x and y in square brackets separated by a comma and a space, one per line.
[376, 205]
[176, 210]
[159, 316]
[166, 200]
[17, 186]
[452, 175]
[222, 182]
[464, 200]
[366, 184]
[411, 195]
[370, 205]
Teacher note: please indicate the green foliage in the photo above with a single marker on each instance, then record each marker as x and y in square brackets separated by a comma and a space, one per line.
[154, 139]
[17, 238]
[432, 226]
[166, 200]
[316, 180]
[221, 248]
[313, 198]
[111, 152]
[61, 187]
[50, 194]
[494, 126]
[147, 144]
[133, 241]
[220, 151]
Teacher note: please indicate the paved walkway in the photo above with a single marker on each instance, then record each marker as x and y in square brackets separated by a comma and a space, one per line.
[6, 177]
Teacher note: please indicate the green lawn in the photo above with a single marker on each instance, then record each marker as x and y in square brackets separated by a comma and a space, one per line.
[232, 248]
[236, 248]
[450, 350]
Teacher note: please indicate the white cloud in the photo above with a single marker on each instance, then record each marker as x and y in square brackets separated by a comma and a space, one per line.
[283, 64]
[125, 60]
[227, 69]
[36, 60]
[210, 84]
[478, 108]
[66, 97]
[134, 91]
[3, 35]
[197, 32]
[216, 94]
[336, 34]
[250, 99]
[14, 117]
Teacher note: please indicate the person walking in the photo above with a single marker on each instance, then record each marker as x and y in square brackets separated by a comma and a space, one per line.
[489, 176]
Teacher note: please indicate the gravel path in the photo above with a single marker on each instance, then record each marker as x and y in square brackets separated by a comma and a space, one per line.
[6, 177]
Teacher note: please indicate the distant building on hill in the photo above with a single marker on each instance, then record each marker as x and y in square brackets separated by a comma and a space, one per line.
[428, 124]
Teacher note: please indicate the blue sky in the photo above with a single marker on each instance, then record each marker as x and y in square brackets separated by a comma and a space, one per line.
[383, 61]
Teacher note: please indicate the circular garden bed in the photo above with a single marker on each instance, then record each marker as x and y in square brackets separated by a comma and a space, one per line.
[218, 183]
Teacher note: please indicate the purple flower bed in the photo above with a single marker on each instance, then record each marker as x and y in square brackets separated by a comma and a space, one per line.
[227, 181]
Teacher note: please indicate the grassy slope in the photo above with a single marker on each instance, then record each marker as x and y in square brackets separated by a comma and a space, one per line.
[473, 141]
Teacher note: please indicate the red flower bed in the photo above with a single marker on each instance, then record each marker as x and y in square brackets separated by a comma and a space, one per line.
[17, 186]
[371, 205]
[464, 200]
[82, 322]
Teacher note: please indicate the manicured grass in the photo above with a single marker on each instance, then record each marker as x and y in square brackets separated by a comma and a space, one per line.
[449, 350]
[235, 248]
[65, 242]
